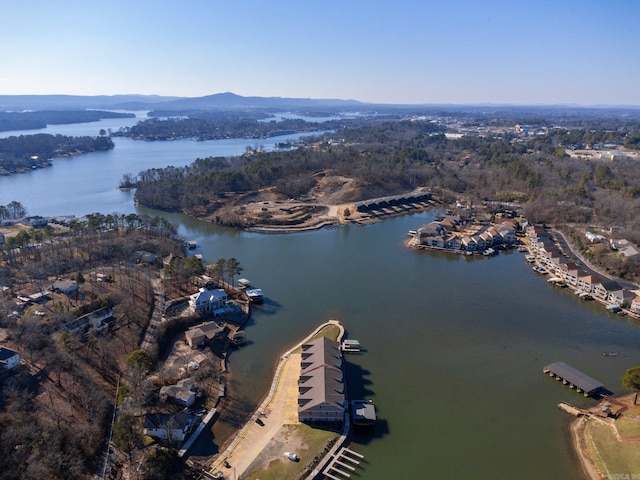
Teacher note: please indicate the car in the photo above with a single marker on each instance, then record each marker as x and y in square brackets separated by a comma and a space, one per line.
[292, 456]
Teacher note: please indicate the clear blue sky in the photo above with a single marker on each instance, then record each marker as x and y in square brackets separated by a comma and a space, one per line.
[446, 51]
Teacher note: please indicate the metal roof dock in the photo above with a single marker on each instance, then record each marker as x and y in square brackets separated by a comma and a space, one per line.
[574, 378]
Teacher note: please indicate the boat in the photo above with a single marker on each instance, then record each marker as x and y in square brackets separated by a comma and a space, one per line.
[540, 270]
[615, 309]
[489, 252]
[239, 338]
[530, 258]
[255, 295]
[292, 456]
[610, 354]
[558, 281]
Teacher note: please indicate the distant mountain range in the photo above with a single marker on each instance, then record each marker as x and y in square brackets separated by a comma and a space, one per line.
[232, 102]
[218, 101]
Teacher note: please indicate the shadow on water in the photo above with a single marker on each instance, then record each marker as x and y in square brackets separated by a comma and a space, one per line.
[357, 381]
[267, 307]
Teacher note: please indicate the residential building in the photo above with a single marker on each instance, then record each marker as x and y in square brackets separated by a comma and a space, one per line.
[184, 392]
[8, 359]
[634, 306]
[167, 426]
[625, 247]
[207, 301]
[321, 389]
[66, 286]
[203, 333]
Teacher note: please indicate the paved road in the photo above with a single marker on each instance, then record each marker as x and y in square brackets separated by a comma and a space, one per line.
[149, 339]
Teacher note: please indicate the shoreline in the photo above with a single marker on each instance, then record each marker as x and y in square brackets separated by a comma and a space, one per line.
[578, 441]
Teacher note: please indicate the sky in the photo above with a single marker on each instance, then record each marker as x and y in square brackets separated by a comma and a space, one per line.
[410, 52]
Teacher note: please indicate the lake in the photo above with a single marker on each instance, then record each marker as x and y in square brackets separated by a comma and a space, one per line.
[455, 346]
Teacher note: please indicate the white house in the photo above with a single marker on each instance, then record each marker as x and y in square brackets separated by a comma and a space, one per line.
[208, 300]
[167, 426]
[8, 359]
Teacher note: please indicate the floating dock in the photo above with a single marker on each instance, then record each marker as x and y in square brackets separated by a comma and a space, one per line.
[350, 346]
[574, 378]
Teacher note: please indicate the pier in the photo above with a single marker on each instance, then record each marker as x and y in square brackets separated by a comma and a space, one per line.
[343, 463]
[574, 378]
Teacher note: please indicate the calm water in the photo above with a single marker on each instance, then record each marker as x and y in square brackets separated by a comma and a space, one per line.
[455, 346]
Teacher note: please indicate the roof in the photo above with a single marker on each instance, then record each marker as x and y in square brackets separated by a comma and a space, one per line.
[573, 376]
[321, 380]
[176, 421]
[6, 353]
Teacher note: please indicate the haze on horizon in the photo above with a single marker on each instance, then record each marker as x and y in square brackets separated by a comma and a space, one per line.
[414, 52]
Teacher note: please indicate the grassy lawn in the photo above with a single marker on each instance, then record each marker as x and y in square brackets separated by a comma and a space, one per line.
[612, 457]
[311, 442]
[628, 427]
[330, 331]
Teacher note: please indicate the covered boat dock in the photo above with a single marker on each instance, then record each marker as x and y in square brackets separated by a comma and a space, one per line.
[574, 378]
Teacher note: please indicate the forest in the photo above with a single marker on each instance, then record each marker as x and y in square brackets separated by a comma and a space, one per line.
[18, 153]
[56, 410]
[536, 171]
[40, 119]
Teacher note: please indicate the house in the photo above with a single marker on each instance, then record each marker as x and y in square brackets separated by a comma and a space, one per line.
[206, 301]
[67, 287]
[321, 392]
[203, 333]
[469, 244]
[167, 426]
[570, 273]
[453, 242]
[609, 291]
[634, 305]
[586, 282]
[432, 229]
[507, 233]
[625, 247]
[33, 295]
[184, 392]
[35, 222]
[98, 319]
[8, 359]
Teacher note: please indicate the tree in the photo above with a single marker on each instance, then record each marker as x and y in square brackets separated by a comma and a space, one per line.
[233, 268]
[16, 210]
[139, 363]
[127, 434]
[631, 380]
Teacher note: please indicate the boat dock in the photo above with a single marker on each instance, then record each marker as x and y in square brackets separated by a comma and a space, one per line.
[344, 462]
[574, 378]
[350, 346]
[571, 410]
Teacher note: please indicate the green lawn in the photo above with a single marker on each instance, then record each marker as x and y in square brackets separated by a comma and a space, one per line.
[628, 427]
[612, 457]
